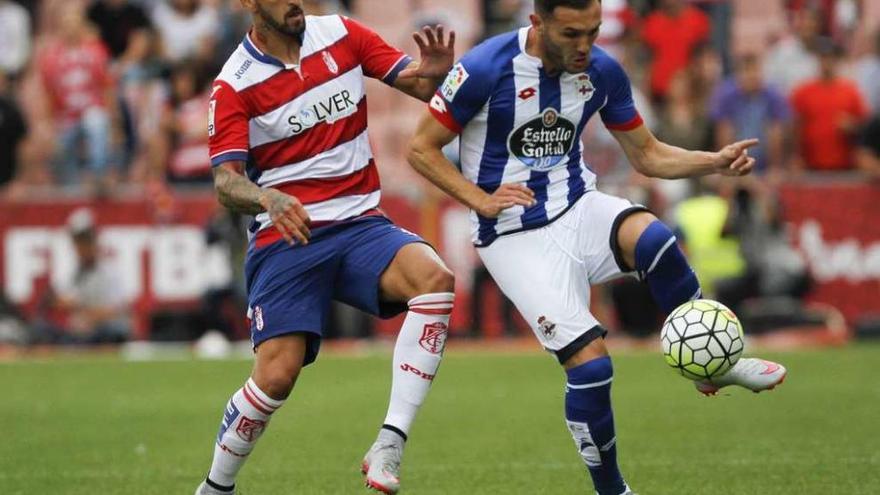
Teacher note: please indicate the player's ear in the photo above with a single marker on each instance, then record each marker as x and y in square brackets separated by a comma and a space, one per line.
[537, 22]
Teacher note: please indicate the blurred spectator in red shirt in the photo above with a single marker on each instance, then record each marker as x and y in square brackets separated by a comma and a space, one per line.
[672, 33]
[74, 71]
[744, 107]
[791, 61]
[829, 112]
[15, 37]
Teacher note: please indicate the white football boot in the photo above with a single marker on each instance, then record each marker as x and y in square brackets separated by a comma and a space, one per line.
[206, 489]
[754, 374]
[627, 491]
[382, 465]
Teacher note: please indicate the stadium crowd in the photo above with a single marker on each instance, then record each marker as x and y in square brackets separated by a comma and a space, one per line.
[102, 96]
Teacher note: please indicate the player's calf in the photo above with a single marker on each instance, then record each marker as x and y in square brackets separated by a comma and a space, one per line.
[246, 417]
[417, 355]
[590, 420]
[278, 363]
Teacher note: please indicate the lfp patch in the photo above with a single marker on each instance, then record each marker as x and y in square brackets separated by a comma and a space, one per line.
[454, 81]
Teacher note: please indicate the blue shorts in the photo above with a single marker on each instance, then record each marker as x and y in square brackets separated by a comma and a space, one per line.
[290, 288]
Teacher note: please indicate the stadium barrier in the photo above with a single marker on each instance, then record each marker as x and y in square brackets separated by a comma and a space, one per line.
[162, 260]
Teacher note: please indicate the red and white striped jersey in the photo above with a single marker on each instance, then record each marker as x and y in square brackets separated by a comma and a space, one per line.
[303, 129]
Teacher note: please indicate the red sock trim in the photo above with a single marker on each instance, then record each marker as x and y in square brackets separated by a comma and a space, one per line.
[255, 402]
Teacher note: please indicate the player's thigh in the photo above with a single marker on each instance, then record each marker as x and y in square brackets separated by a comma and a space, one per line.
[546, 282]
[372, 249]
[290, 289]
[600, 219]
[415, 270]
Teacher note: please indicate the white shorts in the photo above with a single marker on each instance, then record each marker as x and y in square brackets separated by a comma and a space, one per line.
[547, 272]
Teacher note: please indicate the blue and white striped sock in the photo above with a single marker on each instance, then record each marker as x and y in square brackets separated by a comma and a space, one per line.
[591, 422]
[661, 263]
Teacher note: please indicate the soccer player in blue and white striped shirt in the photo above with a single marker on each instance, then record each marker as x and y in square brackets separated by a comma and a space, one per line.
[520, 102]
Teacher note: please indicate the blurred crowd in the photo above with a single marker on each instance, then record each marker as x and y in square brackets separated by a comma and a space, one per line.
[97, 93]
[101, 96]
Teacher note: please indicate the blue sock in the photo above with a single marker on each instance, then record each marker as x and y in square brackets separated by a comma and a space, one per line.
[662, 264]
[591, 422]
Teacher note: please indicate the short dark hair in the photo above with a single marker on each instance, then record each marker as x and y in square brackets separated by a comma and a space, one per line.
[545, 7]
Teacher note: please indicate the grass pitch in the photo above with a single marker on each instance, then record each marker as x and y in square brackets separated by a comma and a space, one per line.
[493, 425]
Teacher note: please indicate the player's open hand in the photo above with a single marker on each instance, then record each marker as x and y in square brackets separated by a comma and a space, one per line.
[734, 159]
[436, 53]
[506, 196]
[288, 216]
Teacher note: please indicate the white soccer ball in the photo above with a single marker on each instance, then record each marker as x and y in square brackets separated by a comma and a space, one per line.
[702, 339]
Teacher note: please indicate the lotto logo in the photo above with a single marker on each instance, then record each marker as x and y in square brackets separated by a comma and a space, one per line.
[434, 337]
[527, 93]
[250, 429]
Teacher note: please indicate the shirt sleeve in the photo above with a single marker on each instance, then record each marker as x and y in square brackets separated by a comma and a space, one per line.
[378, 59]
[465, 92]
[619, 112]
[227, 125]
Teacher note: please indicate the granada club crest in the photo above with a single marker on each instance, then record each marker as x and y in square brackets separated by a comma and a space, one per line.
[585, 87]
[258, 318]
[331, 63]
[250, 429]
[434, 337]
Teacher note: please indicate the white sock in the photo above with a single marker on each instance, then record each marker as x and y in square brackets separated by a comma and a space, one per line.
[417, 356]
[247, 414]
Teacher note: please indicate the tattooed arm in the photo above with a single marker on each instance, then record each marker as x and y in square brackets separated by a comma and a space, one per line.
[238, 193]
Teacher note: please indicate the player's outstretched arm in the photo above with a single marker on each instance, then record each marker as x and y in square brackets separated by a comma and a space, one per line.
[437, 54]
[238, 193]
[427, 158]
[654, 158]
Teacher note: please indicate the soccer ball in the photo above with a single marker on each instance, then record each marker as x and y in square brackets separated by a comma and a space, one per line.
[702, 339]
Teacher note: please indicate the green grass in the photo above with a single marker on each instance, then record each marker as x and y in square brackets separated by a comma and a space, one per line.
[493, 425]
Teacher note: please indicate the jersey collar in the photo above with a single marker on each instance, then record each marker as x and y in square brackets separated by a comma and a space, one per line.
[257, 54]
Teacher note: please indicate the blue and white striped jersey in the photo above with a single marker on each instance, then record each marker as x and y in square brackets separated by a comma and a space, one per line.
[517, 124]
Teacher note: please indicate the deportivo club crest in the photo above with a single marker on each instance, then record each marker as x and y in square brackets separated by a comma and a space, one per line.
[585, 87]
[550, 117]
[434, 338]
[548, 328]
[331, 64]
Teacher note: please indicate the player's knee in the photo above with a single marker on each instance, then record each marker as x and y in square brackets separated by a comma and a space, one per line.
[277, 378]
[438, 279]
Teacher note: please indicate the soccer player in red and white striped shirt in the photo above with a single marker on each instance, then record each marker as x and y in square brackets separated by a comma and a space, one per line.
[289, 144]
